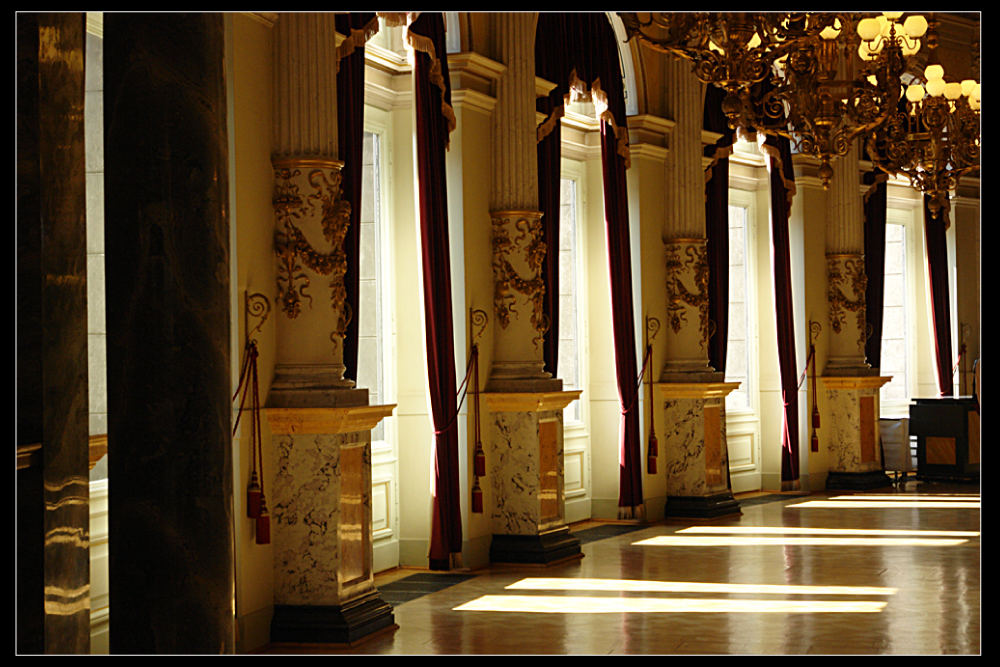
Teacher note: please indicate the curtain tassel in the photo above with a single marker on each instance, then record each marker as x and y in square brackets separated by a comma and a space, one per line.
[480, 461]
[263, 523]
[254, 496]
[477, 498]
[652, 452]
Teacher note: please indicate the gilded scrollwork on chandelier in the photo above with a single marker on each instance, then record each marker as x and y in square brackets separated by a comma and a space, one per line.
[846, 276]
[295, 253]
[825, 81]
[934, 138]
[517, 235]
[687, 259]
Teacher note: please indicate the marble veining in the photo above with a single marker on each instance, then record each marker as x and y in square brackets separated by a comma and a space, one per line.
[682, 425]
[515, 473]
[843, 438]
[305, 515]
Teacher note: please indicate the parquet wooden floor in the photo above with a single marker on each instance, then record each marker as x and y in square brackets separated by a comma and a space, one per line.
[891, 571]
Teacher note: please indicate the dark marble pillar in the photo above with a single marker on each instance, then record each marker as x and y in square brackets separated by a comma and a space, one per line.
[168, 303]
[52, 439]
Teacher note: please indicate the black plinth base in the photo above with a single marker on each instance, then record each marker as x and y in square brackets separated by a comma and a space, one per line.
[873, 479]
[331, 624]
[702, 507]
[544, 548]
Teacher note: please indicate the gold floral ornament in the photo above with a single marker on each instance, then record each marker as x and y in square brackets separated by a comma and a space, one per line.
[687, 258]
[507, 280]
[852, 277]
[294, 251]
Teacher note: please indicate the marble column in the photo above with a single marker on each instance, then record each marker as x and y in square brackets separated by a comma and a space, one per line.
[320, 498]
[53, 566]
[524, 399]
[850, 427]
[689, 399]
[170, 514]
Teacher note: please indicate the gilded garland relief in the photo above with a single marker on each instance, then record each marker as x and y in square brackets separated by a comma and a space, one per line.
[527, 246]
[294, 251]
[687, 259]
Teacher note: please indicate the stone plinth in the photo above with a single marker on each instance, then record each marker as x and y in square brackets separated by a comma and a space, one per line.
[321, 527]
[524, 453]
[693, 447]
[850, 429]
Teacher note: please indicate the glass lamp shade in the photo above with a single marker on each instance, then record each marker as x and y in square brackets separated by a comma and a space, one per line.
[915, 25]
[932, 72]
[935, 87]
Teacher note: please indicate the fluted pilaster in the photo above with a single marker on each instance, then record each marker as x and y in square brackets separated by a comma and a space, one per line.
[515, 170]
[685, 256]
[846, 275]
[311, 215]
[685, 176]
[305, 86]
[518, 246]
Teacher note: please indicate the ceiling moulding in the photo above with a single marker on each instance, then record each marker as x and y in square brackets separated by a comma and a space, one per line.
[267, 18]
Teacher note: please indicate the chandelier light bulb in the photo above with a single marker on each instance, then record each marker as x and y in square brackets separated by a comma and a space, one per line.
[915, 92]
[892, 16]
[968, 86]
[868, 29]
[932, 72]
[884, 26]
[935, 87]
[952, 90]
[915, 25]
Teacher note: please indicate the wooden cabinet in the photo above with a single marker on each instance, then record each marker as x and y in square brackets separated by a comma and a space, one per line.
[947, 431]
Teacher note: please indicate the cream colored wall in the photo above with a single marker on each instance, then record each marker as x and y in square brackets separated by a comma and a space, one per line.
[469, 198]
[251, 184]
[810, 207]
[645, 181]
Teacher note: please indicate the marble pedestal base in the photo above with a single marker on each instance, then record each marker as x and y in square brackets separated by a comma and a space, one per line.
[545, 548]
[851, 432]
[331, 624]
[321, 523]
[524, 487]
[691, 420]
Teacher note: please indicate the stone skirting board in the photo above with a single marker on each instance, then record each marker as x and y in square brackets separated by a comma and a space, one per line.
[525, 485]
[692, 432]
[850, 430]
[321, 514]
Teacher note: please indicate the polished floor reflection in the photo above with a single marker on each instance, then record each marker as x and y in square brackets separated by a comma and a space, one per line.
[900, 576]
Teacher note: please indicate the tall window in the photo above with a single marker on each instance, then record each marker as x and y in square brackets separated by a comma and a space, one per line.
[570, 352]
[738, 346]
[895, 344]
[371, 357]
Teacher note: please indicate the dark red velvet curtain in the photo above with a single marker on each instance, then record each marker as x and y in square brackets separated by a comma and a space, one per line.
[581, 48]
[717, 224]
[875, 216]
[937, 272]
[782, 181]
[356, 27]
[435, 119]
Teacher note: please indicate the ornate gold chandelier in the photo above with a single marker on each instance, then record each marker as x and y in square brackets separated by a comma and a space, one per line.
[841, 84]
[934, 138]
[825, 81]
[734, 51]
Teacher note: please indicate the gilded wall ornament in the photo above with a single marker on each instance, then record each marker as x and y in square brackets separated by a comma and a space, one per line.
[687, 259]
[846, 273]
[527, 244]
[293, 250]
